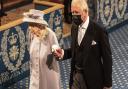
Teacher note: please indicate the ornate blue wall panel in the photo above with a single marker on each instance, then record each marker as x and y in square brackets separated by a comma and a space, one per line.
[110, 13]
[14, 56]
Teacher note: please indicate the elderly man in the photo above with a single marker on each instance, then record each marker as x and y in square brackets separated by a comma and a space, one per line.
[91, 64]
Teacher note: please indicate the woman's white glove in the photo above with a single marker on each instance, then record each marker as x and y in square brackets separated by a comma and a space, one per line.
[57, 51]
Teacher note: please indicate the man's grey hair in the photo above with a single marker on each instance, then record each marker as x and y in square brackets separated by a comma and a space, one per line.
[82, 4]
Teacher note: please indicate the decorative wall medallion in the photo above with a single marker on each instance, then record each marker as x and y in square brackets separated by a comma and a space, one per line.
[106, 11]
[120, 7]
[13, 53]
[57, 20]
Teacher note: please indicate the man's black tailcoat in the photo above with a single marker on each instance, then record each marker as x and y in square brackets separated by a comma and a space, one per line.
[95, 59]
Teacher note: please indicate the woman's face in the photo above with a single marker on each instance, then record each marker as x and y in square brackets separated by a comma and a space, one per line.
[35, 28]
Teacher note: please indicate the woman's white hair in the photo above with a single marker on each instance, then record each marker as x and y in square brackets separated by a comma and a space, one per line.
[82, 4]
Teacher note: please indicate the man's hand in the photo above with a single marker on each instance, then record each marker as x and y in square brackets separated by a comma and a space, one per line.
[107, 88]
[57, 51]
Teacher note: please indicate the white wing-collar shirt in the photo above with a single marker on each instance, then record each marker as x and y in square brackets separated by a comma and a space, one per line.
[82, 29]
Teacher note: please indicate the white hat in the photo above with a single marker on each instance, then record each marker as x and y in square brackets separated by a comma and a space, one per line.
[34, 16]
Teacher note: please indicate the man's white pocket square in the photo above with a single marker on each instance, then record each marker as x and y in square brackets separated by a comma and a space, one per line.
[93, 42]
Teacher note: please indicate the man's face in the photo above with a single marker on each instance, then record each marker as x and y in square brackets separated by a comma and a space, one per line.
[77, 11]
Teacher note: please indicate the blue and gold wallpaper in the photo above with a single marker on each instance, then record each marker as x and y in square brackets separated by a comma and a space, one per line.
[109, 13]
[14, 55]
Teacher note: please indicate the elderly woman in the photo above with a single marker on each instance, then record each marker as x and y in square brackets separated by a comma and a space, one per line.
[44, 69]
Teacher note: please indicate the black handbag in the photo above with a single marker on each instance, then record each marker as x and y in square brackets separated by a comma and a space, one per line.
[49, 61]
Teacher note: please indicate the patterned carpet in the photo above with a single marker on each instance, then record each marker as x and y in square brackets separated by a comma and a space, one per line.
[119, 45]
